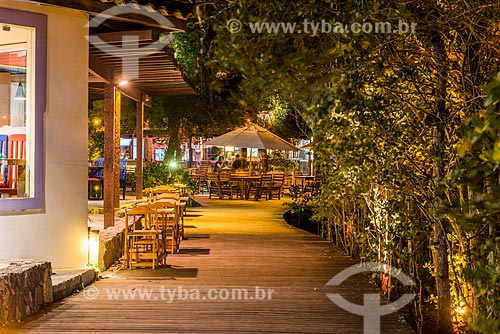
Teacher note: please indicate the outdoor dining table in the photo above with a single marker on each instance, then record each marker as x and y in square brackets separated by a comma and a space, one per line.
[182, 188]
[245, 180]
[302, 180]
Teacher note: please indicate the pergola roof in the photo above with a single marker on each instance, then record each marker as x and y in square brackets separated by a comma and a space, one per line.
[158, 72]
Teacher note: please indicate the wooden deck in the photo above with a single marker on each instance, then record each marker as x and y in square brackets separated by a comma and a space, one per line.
[231, 245]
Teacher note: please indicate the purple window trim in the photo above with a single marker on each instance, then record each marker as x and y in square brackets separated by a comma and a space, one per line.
[39, 22]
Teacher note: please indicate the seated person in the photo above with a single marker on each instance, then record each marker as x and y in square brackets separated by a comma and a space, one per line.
[219, 164]
[238, 163]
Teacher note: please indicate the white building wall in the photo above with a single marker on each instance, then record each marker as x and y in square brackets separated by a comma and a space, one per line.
[59, 233]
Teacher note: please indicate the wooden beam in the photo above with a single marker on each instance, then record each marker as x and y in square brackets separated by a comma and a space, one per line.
[131, 92]
[139, 125]
[99, 70]
[117, 37]
[118, 105]
[105, 74]
[109, 153]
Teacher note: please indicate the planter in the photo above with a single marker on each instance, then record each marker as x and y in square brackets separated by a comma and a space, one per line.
[302, 220]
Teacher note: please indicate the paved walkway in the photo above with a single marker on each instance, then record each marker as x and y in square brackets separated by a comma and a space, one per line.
[242, 269]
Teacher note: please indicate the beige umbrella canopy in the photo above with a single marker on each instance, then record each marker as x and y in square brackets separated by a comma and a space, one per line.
[307, 147]
[252, 136]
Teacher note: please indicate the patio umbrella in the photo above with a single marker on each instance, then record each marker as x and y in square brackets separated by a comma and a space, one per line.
[252, 136]
[307, 147]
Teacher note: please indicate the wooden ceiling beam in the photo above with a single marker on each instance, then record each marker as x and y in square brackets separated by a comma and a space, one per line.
[106, 73]
[117, 37]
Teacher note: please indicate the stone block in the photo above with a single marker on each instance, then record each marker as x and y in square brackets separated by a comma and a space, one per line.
[25, 286]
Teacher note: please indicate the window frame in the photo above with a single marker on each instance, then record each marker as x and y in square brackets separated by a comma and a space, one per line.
[39, 23]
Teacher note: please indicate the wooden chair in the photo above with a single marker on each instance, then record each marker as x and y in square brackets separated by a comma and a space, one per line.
[213, 185]
[203, 171]
[181, 203]
[4, 140]
[229, 187]
[142, 238]
[168, 223]
[16, 149]
[276, 187]
[261, 187]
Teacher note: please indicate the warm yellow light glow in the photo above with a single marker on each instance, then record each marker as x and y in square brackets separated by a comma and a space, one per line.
[123, 82]
[97, 121]
[92, 246]
[460, 309]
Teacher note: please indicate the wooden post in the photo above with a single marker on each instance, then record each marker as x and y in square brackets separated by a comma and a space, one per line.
[139, 126]
[118, 99]
[190, 147]
[109, 154]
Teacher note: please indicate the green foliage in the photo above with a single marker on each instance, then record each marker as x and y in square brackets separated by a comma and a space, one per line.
[301, 201]
[278, 116]
[474, 212]
[216, 109]
[155, 174]
[96, 131]
[280, 162]
[163, 173]
[186, 48]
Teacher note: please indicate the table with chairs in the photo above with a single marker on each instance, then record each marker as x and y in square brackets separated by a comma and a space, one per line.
[153, 229]
[242, 185]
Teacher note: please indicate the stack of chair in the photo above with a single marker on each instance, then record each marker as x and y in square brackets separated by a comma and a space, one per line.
[181, 203]
[143, 246]
[168, 223]
[154, 229]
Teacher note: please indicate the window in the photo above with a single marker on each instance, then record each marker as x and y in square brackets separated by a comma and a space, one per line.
[22, 103]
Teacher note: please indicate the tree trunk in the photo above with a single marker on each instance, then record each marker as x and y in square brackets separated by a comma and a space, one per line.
[440, 241]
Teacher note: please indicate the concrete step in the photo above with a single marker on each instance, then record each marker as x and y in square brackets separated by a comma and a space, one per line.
[67, 281]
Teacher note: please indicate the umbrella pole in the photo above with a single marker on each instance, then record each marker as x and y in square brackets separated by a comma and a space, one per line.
[250, 163]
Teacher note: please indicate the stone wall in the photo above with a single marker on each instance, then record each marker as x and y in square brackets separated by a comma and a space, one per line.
[111, 244]
[25, 286]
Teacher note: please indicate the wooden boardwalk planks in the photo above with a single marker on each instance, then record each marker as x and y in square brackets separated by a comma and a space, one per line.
[231, 246]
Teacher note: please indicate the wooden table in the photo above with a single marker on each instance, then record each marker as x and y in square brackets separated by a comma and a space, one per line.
[245, 180]
[182, 188]
[303, 180]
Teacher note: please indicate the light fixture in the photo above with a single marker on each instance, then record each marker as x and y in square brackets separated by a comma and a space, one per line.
[20, 93]
[123, 82]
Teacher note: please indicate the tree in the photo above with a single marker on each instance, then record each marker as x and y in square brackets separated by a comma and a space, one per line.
[386, 112]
